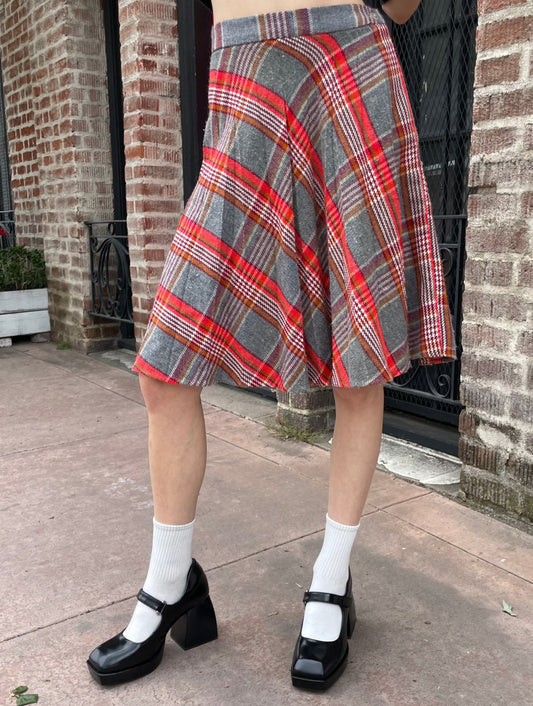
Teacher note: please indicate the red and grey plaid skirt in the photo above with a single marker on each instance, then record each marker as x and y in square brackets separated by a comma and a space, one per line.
[306, 254]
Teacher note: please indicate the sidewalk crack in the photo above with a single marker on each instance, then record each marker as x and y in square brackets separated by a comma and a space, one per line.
[461, 549]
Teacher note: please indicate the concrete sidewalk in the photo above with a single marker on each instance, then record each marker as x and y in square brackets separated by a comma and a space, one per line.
[429, 574]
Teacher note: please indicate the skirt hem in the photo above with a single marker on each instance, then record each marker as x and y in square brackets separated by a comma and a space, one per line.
[142, 367]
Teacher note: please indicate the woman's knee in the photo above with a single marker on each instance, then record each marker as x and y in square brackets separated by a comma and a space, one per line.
[159, 395]
[358, 397]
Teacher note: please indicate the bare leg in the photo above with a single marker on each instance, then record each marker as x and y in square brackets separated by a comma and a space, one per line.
[177, 448]
[177, 453]
[354, 451]
[354, 455]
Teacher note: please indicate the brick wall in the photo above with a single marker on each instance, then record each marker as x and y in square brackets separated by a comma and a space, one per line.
[15, 33]
[152, 138]
[497, 365]
[58, 132]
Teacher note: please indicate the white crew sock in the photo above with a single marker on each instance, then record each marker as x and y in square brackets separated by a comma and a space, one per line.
[323, 621]
[167, 576]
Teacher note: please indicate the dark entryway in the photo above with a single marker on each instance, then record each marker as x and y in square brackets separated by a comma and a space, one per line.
[108, 240]
[195, 20]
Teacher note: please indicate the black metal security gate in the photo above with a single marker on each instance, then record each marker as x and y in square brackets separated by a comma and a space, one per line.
[437, 51]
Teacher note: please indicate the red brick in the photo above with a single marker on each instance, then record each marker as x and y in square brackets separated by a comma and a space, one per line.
[51, 40]
[525, 343]
[477, 336]
[491, 273]
[505, 32]
[486, 204]
[507, 171]
[474, 454]
[528, 136]
[525, 274]
[495, 492]
[503, 69]
[489, 239]
[151, 90]
[495, 305]
[527, 204]
[522, 408]
[493, 140]
[482, 399]
[468, 423]
[520, 468]
[503, 105]
[491, 369]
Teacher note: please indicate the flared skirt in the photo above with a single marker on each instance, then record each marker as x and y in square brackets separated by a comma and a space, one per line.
[306, 254]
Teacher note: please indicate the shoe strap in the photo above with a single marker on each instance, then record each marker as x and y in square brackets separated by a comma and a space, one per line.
[151, 602]
[319, 597]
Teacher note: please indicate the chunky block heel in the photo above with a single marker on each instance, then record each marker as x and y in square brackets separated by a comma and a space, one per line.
[352, 619]
[196, 627]
[191, 620]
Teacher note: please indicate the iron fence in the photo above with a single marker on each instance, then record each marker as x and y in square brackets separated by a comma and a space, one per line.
[110, 270]
[7, 229]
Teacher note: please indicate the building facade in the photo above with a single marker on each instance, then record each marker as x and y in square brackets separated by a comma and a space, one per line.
[102, 107]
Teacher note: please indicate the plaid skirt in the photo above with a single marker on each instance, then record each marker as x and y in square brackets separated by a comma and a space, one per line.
[306, 254]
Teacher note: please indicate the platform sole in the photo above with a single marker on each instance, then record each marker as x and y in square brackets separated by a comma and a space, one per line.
[310, 684]
[125, 675]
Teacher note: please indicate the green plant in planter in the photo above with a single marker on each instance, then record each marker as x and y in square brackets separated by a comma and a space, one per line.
[21, 268]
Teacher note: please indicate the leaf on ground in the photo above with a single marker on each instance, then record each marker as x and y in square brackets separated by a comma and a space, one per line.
[508, 609]
[19, 690]
[27, 699]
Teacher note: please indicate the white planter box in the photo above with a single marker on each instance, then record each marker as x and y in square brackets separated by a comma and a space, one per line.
[24, 313]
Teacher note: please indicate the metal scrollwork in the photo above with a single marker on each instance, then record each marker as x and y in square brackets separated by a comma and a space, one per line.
[7, 229]
[448, 260]
[110, 270]
[407, 378]
[440, 385]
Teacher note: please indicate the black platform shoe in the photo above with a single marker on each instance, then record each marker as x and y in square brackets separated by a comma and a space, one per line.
[191, 620]
[316, 665]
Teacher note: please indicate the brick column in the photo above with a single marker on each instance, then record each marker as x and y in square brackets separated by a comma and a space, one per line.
[58, 132]
[16, 37]
[311, 411]
[152, 138]
[497, 369]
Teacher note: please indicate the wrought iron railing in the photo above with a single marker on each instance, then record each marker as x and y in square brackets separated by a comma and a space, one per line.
[7, 229]
[110, 270]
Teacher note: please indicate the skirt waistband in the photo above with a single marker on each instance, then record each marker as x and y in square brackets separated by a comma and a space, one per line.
[292, 23]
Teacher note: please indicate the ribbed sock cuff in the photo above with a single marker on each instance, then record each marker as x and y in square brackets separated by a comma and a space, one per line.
[330, 571]
[170, 559]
